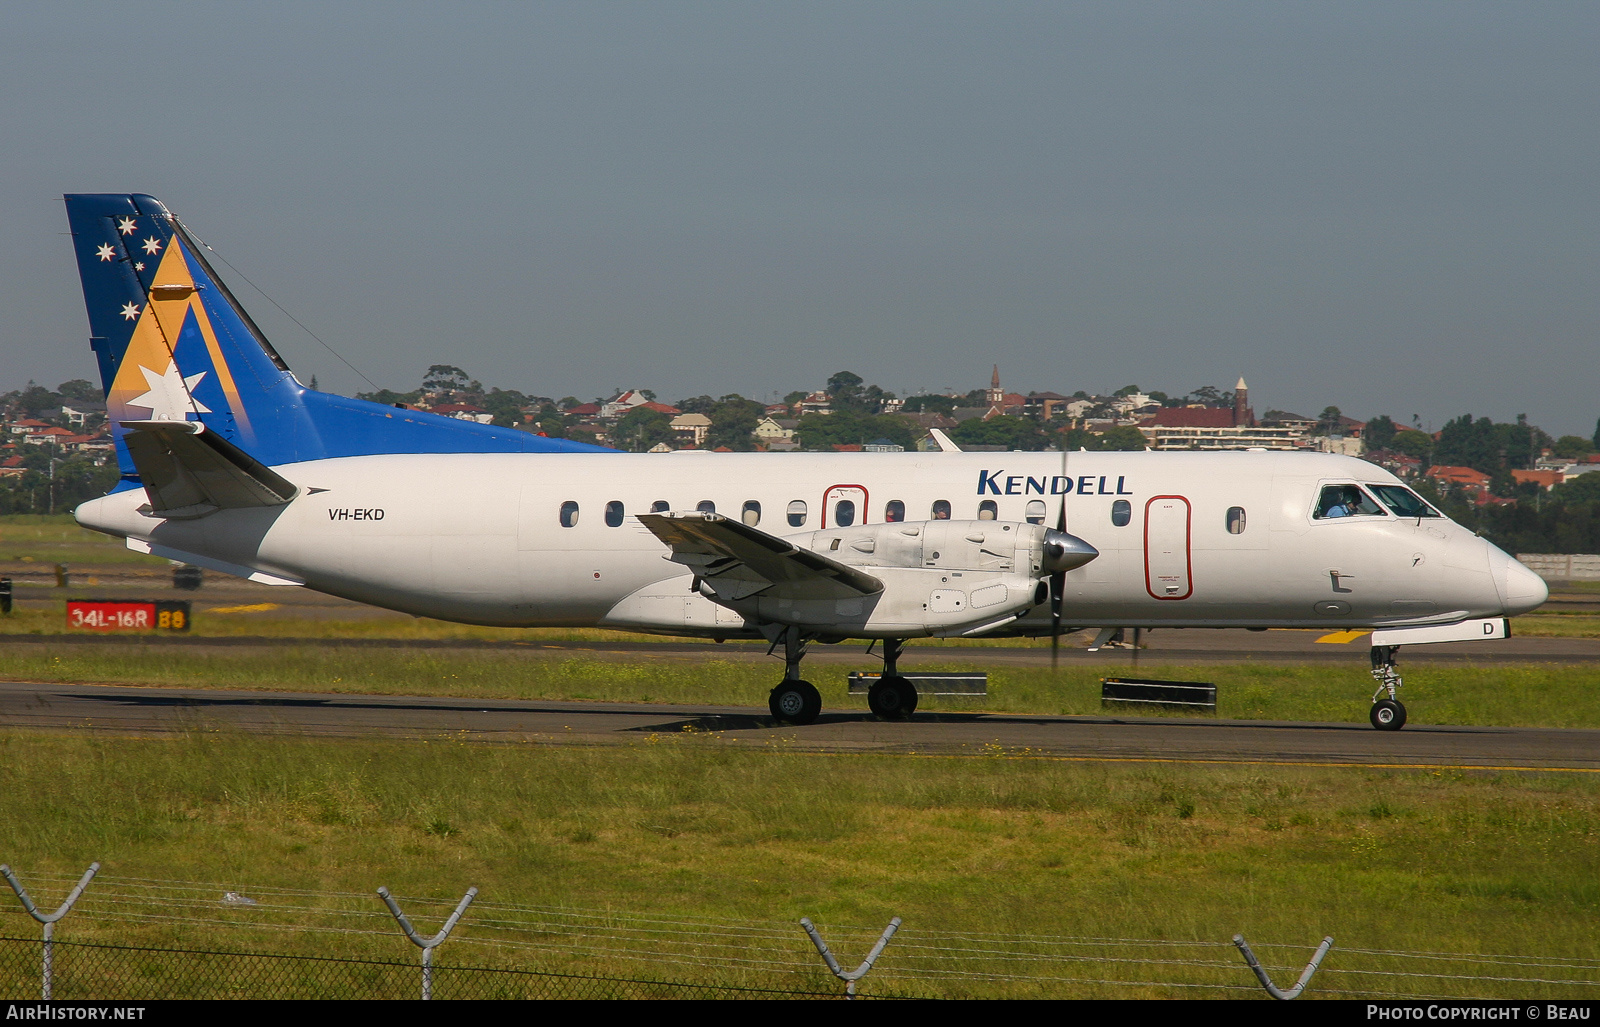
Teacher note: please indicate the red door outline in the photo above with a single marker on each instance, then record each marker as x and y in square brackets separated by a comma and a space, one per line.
[1188, 536]
[827, 493]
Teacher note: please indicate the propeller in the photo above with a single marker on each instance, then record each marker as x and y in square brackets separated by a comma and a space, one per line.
[1058, 579]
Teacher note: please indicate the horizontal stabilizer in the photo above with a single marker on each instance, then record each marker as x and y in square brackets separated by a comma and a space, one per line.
[736, 560]
[188, 471]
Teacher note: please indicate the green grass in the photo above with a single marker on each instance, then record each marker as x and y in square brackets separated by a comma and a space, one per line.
[1525, 695]
[49, 539]
[690, 826]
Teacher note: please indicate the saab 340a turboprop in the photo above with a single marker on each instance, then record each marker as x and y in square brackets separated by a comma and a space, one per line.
[229, 462]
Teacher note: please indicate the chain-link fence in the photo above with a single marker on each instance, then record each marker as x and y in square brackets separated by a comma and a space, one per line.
[128, 972]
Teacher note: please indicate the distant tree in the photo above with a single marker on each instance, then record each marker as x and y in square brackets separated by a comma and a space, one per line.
[1572, 447]
[1019, 433]
[1328, 421]
[640, 429]
[506, 406]
[648, 394]
[1127, 390]
[844, 389]
[697, 405]
[795, 397]
[1160, 397]
[1418, 444]
[1596, 439]
[1125, 438]
[733, 423]
[929, 404]
[1379, 432]
[850, 427]
[1464, 442]
[1206, 394]
[79, 388]
[389, 398]
[446, 378]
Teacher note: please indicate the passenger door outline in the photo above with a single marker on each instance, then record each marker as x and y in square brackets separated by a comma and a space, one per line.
[1168, 572]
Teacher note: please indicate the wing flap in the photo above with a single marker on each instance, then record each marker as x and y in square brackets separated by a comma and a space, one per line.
[190, 472]
[737, 560]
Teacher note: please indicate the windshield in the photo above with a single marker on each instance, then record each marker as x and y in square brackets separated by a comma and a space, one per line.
[1345, 501]
[1403, 501]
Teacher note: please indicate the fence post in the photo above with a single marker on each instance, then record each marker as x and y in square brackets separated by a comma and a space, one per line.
[849, 977]
[48, 919]
[1266, 982]
[427, 945]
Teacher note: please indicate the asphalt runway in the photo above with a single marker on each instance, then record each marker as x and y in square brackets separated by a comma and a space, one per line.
[144, 711]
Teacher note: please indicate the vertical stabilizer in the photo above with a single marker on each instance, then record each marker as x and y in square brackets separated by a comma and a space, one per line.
[173, 344]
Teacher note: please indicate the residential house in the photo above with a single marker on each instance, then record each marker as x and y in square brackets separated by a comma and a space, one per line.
[691, 428]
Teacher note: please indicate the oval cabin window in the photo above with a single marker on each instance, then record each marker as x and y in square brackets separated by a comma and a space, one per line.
[988, 510]
[894, 511]
[706, 506]
[660, 506]
[1035, 511]
[941, 509]
[1121, 513]
[751, 513]
[797, 513]
[1236, 520]
[569, 514]
[614, 514]
[844, 513]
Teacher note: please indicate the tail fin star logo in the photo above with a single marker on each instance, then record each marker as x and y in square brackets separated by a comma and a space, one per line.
[171, 395]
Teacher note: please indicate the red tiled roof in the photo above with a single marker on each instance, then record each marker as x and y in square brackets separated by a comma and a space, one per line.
[1191, 417]
[1459, 475]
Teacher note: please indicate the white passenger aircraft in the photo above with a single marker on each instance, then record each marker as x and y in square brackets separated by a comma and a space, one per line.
[230, 463]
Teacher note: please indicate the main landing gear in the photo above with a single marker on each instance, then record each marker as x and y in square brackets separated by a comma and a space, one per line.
[1387, 714]
[794, 701]
[892, 697]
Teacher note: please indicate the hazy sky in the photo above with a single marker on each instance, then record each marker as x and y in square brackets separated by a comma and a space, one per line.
[1391, 207]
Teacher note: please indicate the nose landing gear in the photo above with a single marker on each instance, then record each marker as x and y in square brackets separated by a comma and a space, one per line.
[1388, 714]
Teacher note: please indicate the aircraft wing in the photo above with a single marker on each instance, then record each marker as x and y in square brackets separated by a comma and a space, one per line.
[189, 472]
[739, 561]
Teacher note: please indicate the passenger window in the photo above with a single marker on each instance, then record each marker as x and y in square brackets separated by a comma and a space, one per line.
[844, 513]
[614, 514]
[1035, 513]
[569, 514]
[1121, 513]
[987, 510]
[751, 513]
[706, 506]
[660, 506]
[1236, 520]
[797, 513]
[941, 509]
[895, 511]
[1345, 501]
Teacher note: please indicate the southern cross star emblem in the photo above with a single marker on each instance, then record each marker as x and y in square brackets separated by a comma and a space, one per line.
[139, 266]
[125, 226]
[130, 311]
[105, 252]
[171, 395]
[152, 246]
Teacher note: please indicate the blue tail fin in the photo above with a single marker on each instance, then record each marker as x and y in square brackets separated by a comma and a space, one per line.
[174, 344]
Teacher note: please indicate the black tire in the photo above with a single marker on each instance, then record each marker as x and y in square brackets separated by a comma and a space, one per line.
[892, 698]
[795, 702]
[1388, 715]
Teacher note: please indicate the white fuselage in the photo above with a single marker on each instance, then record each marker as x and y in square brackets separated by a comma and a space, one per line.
[1185, 539]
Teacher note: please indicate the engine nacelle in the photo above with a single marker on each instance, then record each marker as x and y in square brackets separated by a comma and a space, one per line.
[939, 577]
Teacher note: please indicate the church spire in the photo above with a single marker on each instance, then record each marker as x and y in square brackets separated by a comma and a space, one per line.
[996, 393]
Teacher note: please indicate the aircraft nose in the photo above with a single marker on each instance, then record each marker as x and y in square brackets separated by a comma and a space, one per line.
[1521, 590]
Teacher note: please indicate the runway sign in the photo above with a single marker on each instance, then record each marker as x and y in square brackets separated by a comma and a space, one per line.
[927, 684]
[1193, 695]
[128, 614]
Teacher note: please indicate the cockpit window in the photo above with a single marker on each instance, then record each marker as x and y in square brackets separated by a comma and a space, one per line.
[1404, 502]
[1345, 501]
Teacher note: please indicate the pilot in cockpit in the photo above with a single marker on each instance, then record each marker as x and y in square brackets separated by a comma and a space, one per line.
[1346, 501]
